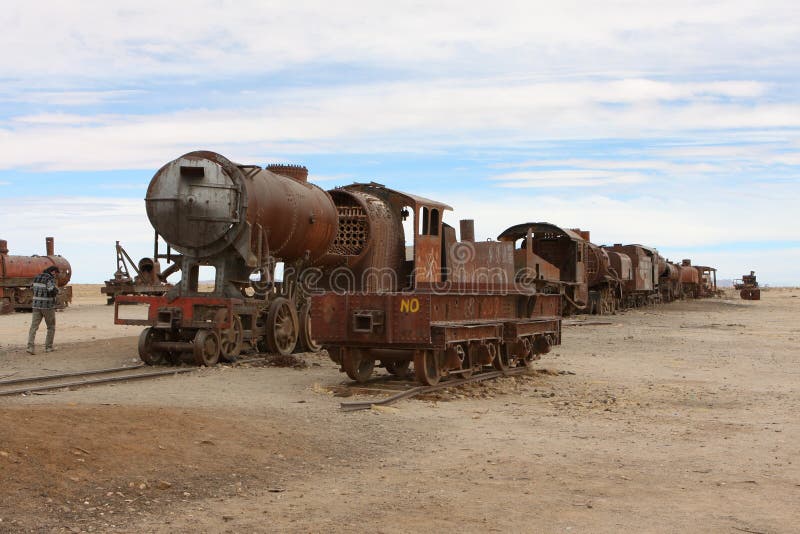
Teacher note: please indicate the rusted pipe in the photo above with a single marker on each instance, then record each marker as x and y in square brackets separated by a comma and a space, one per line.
[50, 246]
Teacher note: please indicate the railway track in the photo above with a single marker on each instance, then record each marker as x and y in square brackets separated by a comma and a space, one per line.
[90, 377]
[421, 390]
[75, 379]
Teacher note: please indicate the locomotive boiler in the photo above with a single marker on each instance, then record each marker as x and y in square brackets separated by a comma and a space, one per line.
[451, 307]
[238, 221]
[17, 274]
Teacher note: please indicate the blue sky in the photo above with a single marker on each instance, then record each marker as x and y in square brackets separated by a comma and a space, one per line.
[673, 124]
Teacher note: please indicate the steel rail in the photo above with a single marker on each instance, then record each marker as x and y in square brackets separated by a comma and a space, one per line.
[105, 380]
[419, 390]
[67, 375]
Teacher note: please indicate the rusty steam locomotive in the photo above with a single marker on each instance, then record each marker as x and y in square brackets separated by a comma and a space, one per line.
[17, 273]
[451, 307]
[238, 220]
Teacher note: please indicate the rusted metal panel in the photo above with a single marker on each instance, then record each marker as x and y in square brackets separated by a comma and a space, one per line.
[621, 264]
[487, 262]
[427, 259]
[459, 333]
[405, 318]
[517, 329]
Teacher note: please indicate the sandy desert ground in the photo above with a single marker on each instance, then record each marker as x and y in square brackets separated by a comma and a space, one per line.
[677, 418]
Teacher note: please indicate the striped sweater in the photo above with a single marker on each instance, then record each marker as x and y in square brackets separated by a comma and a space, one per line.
[44, 291]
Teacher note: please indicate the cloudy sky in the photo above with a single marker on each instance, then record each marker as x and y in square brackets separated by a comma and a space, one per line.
[673, 124]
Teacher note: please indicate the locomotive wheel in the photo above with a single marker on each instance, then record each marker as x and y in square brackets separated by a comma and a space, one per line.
[501, 361]
[307, 343]
[231, 339]
[397, 368]
[281, 327]
[149, 355]
[426, 367]
[358, 365]
[206, 348]
[466, 361]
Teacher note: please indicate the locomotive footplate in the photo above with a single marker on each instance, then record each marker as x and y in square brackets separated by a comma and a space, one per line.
[182, 312]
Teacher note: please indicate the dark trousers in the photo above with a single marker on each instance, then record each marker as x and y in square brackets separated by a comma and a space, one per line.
[49, 316]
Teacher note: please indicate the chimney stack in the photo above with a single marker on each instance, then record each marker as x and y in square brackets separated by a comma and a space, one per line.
[467, 230]
[296, 172]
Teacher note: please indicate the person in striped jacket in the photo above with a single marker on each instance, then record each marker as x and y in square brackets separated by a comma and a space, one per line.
[44, 307]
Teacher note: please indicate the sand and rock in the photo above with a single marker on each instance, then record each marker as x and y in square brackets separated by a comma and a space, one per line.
[675, 418]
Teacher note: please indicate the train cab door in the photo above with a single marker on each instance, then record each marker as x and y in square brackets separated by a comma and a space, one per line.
[428, 245]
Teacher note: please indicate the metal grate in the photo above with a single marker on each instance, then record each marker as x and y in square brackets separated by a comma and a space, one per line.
[353, 231]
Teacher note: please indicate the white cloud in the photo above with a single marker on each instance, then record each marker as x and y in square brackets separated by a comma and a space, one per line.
[58, 119]
[142, 39]
[385, 117]
[69, 98]
[84, 228]
[567, 178]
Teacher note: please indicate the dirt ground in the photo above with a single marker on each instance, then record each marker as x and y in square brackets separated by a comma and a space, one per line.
[681, 417]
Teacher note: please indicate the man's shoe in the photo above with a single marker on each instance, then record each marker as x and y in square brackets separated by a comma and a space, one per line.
[49, 349]
[30, 350]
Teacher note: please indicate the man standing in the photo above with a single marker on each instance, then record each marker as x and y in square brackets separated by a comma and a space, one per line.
[44, 306]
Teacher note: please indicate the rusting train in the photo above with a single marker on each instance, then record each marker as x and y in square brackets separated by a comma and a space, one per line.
[238, 220]
[451, 307]
[603, 279]
[17, 273]
[379, 274]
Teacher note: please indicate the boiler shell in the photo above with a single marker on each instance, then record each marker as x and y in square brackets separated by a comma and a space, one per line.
[27, 267]
[202, 203]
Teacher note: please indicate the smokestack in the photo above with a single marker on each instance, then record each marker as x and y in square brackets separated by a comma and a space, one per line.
[686, 263]
[3, 246]
[467, 230]
[583, 233]
[295, 172]
[50, 246]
